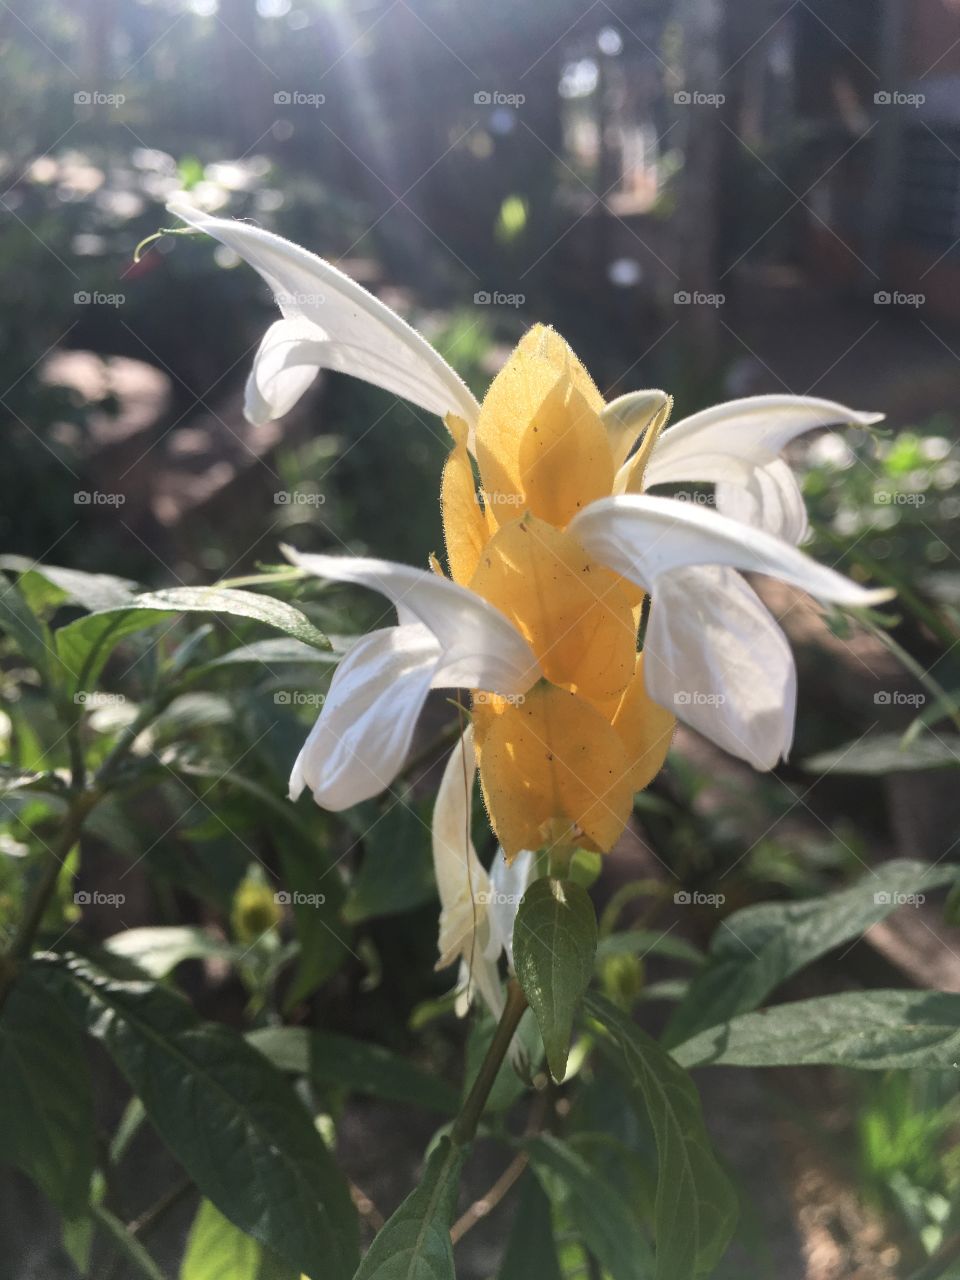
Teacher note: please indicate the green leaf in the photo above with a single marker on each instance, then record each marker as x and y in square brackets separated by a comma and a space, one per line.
[30, 785]
[756, 949]
[554, 944]
[158, 950]
[90, 591]
[883, 753]
[46, 1104]
[276, 649]
[216, 1250]
[415, 1242]
[318, 895]
[127, 1243]
[332, 1059]
[29, 634]
[601, 1217]
[227, 1115]
[648, 942]
[696, 1206]
[396, 874]
[84, 645]
[870, 1030]
[531, 1249]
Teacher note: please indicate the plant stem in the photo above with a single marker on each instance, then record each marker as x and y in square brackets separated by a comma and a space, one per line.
[465, 1126]
[490, 1199]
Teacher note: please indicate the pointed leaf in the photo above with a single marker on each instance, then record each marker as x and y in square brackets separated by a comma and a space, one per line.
[415, 1242]
[696, 1207]
[225, 1112]
[554, 944]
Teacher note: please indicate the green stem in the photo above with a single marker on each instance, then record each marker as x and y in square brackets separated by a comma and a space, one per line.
[465, 1126]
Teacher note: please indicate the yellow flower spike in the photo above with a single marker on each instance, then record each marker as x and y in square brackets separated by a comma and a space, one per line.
[514, 399]
[552, 762]
[645, 728]
[565, 458]
[632, 479]
[574, 615]
[465, 528]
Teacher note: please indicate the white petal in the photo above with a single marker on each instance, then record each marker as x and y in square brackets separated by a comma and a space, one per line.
[627, 416]
[733, 445]
[481, 648]
[643, 538]
[356, 333]
[463, 885]
[770, 500]
[362, 736]
[286, 363]
[715, 657]
[508, 883]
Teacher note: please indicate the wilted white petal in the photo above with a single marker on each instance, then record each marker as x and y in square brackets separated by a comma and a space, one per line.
[362, 736]
[286, 363]
[355, 332]
[481, 648]
[508, 883]
[462, 883]
[715, 657]
[643, 538]
[733, 445]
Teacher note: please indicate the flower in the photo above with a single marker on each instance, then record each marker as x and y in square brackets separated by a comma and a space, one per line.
[549, 565]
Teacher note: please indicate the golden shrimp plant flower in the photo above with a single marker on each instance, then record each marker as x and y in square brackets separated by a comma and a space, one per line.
[549, 560]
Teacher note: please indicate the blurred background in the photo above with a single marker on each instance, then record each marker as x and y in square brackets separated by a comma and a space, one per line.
[717, 197]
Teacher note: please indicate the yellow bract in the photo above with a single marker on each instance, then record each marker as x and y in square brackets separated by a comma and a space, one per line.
[562, 764]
